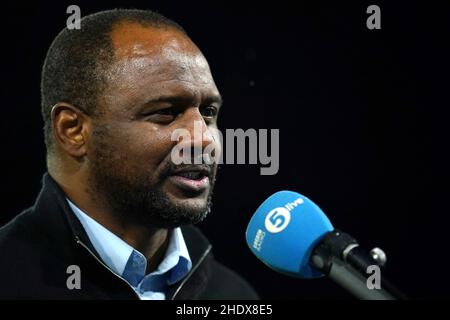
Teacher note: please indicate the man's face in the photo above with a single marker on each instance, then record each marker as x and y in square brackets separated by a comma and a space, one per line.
[158, 83]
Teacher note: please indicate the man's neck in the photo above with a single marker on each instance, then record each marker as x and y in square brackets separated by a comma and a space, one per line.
[151, 242]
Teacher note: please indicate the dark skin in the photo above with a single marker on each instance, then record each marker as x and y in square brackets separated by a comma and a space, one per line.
[159, 82]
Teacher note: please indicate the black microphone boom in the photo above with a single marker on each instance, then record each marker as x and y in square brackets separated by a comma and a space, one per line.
[339, 256]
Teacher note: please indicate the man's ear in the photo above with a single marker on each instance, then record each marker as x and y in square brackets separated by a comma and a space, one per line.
[71, 128]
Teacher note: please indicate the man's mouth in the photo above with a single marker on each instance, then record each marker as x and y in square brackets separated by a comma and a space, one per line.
[193, 179]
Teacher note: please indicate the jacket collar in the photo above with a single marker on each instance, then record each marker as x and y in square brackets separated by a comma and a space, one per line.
[60, 224]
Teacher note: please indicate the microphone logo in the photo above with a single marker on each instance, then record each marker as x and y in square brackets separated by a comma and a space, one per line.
[278, 218]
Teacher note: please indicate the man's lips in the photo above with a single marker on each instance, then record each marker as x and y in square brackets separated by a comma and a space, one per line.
[193, 179]
[190, 185]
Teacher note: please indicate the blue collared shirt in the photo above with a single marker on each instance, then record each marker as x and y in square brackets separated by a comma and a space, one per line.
[130, 264]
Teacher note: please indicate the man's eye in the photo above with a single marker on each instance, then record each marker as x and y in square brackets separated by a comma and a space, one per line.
[165, 115]
[167, 111]
[209, 112]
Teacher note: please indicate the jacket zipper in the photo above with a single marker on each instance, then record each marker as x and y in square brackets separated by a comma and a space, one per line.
[104, 265]
[192, 272]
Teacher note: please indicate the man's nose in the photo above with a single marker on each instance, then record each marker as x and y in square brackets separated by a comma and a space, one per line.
[199, 132]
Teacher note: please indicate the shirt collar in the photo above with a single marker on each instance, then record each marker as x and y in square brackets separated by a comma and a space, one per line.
[115, 252]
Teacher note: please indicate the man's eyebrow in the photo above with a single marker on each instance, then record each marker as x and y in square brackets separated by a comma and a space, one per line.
[176, 99]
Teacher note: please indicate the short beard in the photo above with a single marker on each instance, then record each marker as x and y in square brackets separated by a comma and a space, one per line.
[133, 198]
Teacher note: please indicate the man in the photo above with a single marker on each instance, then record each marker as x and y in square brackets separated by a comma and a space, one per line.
[114, 217]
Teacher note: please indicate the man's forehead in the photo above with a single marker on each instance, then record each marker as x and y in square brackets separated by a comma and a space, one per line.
[164, 52]
[131, 39]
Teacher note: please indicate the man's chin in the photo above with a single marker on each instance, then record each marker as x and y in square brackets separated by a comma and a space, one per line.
[195, 204]
[189, 203]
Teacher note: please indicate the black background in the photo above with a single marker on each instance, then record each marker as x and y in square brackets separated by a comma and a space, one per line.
[363, 119]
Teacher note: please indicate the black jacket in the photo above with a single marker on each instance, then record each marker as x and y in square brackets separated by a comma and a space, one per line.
[38, 246]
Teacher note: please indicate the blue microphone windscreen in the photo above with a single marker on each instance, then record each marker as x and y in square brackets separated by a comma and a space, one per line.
[283, 232]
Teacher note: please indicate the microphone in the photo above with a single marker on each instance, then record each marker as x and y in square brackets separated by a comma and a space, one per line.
[293, 236]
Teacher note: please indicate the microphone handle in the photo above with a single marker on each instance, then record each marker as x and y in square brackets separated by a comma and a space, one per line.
[358, 258]
[339, 257]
